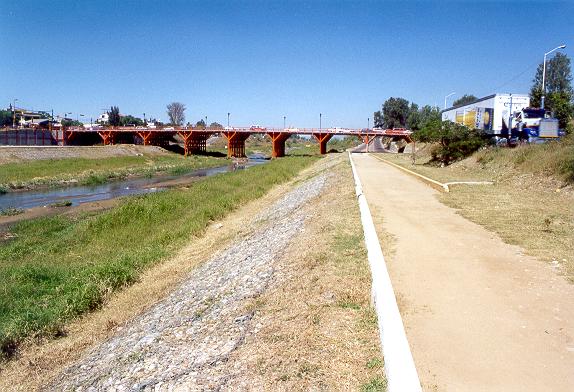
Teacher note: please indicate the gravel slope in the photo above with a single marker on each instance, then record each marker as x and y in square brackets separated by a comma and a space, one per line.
[184, 341]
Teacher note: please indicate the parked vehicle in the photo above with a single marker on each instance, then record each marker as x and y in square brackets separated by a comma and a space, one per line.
[505, 116]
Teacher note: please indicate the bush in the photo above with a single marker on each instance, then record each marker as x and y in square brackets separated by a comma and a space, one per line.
[454, 141]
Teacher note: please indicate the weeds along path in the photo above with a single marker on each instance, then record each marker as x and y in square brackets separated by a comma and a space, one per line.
[479, 314]
[186, 339]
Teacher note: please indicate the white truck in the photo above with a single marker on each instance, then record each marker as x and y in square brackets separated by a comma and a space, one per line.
[493, 113]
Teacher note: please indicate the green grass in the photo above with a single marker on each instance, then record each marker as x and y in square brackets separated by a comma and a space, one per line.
[96, 171]
[59, 267]
[377, 384]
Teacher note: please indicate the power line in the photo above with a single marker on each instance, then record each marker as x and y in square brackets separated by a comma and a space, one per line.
[533, 65]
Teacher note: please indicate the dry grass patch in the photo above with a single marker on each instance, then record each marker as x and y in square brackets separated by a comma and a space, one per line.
[315, 326]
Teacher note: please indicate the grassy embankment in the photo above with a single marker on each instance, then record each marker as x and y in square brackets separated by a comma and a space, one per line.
[52, 172]
[56, 268]
[531, 203]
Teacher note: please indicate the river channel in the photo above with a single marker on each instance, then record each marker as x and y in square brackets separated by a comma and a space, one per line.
[79, 194]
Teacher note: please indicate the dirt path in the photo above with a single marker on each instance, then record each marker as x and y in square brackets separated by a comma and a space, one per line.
[479, 314]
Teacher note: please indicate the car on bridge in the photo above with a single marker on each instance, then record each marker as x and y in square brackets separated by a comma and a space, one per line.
[257, 128]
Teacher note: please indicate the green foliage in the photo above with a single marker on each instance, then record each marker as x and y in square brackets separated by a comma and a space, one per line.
[5, 118]
[129, 120]
[454, 141]
[420, 118]
[114, 116]
[200, 124]
[59, 267]
[395, 113]
[215, 125]
[377, 384]
[465, 99]
[71, 123]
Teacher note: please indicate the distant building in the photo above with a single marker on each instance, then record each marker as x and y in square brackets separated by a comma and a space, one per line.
[27, 118]
[103, 118]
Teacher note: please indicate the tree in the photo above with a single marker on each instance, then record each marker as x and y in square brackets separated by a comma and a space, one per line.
[200, 124]
[215, 125]
[176, 113]
[465, 99]
[414, 117]
[558, 86]
[129, 120]
[377, 119]
[453, 141]
[5, 118]
[71, 123]
[114, 116]
[395, 113]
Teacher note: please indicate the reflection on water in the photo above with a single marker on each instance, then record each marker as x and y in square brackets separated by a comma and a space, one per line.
[82, 194]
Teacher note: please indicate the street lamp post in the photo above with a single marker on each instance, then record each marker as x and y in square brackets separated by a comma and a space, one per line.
[14, 113]
[228, 119]
[205, 122]
[446, 98]
[320, 126]
[544, 74]
[368, 122]
[284, 118]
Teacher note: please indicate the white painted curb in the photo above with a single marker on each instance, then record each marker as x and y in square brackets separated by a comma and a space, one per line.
[400, 368]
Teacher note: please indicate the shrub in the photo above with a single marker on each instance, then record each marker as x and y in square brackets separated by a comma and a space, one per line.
[453, 141]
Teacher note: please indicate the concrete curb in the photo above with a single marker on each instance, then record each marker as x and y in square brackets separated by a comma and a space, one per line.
[400, 368]
[435, 184]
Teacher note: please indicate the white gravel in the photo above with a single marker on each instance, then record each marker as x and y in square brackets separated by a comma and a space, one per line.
[184, 341]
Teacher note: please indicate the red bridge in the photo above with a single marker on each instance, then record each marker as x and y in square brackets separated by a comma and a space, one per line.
[195, 140]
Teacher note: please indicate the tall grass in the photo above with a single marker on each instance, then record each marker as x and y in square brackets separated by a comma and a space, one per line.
[59, 267]
[549, 159]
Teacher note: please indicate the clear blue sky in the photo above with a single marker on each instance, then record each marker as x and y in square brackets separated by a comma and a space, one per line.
[263, 60]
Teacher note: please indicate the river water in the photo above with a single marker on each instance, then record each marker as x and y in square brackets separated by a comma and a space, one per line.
[79, 194]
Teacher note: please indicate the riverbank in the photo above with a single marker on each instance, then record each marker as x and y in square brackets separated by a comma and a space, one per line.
[56, 268]
[36, 174]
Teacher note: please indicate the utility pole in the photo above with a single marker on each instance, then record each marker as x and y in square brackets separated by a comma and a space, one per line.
[509, 121]
[14, 114]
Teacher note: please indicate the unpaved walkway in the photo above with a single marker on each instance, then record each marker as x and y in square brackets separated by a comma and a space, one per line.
[479, 314]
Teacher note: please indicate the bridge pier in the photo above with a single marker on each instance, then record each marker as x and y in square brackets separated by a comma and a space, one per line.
[278, 139]
[236, 143]
[194, 142]
[146, 136]
[367, 139]
[107, 137]
[323, 138]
